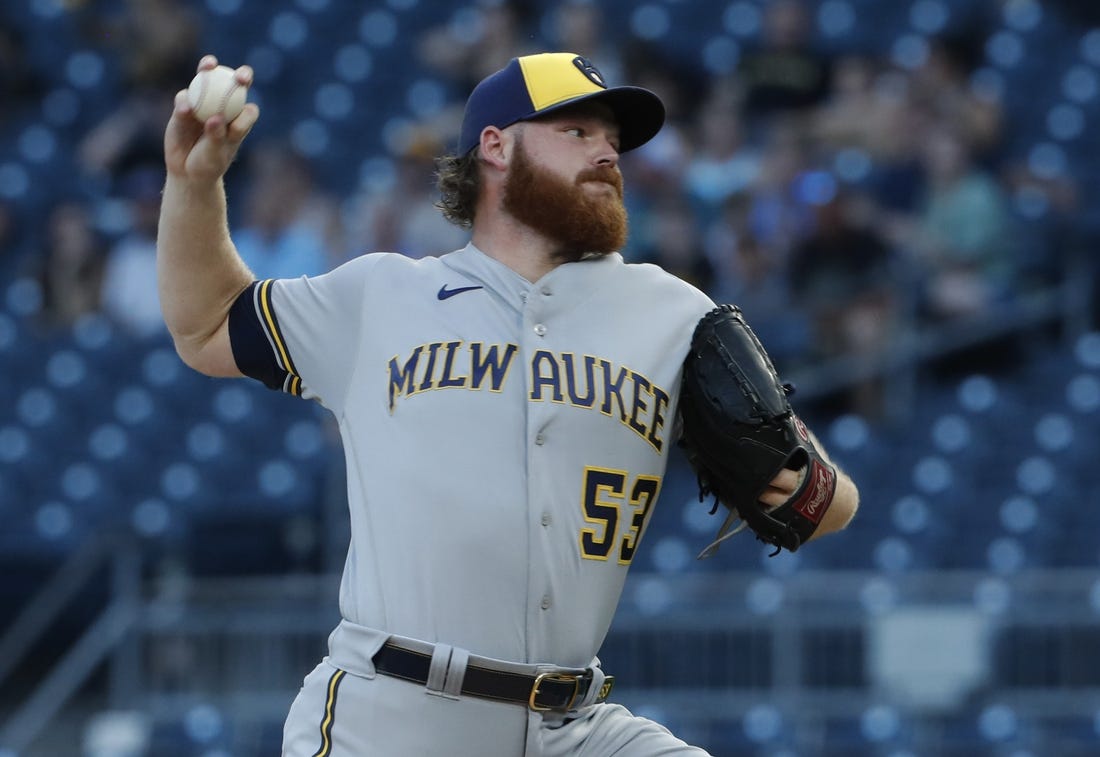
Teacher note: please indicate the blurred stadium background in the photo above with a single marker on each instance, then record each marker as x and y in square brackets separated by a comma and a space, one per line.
[902, 196]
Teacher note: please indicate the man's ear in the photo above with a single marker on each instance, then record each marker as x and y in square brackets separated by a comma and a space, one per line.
[495, 147]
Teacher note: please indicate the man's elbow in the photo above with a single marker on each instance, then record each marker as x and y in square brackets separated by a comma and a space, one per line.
[210, 356]
[192, 357]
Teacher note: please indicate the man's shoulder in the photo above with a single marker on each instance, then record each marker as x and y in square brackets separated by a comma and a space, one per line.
[375, 272]
[657, 277]
[393, 262]
[664, 294]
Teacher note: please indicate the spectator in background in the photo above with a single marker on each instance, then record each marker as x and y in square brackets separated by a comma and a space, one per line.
[747, 273]
[157, 43]
[674, 79]
[897, 175]
[722, 163]
[129, 294]
[782, 198]
[13, 245]
[961, 235]
[656, 169]
[857, 112]
[784, 75]
[20, 85]
[70, 270]
[289, 228]
[941, 85]
[402, 216]
[467, 54]
[675, 242]
[841, 275]
[1052, 248]
[578, 26]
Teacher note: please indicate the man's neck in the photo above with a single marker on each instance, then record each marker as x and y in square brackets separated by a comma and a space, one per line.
[520, 248]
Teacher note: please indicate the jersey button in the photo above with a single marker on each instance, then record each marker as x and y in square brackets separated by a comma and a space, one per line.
[540, 439]
[545, 602]
[540, 329]
[546, 519]
[523, 296]
[546, 291]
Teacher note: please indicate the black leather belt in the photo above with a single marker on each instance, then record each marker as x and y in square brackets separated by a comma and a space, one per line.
[551, 691]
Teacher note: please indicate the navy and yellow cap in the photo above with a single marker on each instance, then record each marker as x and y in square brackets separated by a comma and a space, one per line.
[535, 85]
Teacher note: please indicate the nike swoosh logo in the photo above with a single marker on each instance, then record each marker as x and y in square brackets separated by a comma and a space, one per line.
[444, 292]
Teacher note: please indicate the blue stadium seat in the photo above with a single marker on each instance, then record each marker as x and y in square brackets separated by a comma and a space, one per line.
[155, 520]
[1069, 735]
[874, 732]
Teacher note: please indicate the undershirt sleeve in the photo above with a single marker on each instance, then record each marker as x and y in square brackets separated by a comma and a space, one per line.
[302, 335]
[259, 348]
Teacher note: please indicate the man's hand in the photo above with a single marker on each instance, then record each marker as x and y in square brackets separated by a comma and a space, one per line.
[782, 487]
[202, 152]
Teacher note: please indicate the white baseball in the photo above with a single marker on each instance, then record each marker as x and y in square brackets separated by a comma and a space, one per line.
[214, 91]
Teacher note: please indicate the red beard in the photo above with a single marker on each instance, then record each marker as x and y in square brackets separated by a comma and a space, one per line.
[559, 209]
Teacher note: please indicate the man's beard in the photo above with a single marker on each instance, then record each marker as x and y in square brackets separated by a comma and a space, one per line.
[561, 211]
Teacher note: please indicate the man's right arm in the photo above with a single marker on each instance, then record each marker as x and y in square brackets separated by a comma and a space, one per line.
[199, 273]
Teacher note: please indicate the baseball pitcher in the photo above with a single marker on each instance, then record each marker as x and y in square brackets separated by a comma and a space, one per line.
[506, 411]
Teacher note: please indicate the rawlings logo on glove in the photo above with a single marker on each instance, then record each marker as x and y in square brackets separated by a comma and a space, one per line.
[739, 432]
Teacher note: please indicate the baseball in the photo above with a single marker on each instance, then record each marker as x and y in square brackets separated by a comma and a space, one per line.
[216, 91]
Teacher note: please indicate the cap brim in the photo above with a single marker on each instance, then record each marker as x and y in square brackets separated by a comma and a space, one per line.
[639, 112]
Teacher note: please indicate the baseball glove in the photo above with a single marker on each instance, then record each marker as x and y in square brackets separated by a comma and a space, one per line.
[739, 432]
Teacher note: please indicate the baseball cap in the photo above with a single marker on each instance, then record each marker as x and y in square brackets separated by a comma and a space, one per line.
[535, 85]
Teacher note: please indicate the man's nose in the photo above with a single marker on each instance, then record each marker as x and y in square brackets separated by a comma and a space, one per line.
[608, 155]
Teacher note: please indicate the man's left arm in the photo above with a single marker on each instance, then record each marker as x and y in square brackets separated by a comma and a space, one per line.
[747, 445]
[845, 498]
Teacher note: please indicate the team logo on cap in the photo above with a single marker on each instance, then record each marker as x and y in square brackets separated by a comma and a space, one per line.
[590, 71]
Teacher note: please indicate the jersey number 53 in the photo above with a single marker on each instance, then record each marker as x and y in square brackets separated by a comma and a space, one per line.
[607, 497]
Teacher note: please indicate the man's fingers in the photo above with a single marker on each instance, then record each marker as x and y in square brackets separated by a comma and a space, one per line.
[243, 123]
[183, 127]
[786, 480]
[215, 128]
[244, 75]
[182, 104]
[206, 62]
[773, 497]
[782, 487]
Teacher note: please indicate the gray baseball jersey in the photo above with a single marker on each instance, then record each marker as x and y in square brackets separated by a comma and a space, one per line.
[505, 441]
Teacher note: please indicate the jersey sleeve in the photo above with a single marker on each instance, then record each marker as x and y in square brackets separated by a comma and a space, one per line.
[301, 335]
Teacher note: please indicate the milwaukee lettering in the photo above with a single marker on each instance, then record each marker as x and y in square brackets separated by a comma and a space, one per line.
[583, 381]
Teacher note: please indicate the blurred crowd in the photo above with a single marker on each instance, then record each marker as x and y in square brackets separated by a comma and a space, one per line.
[840, 199]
